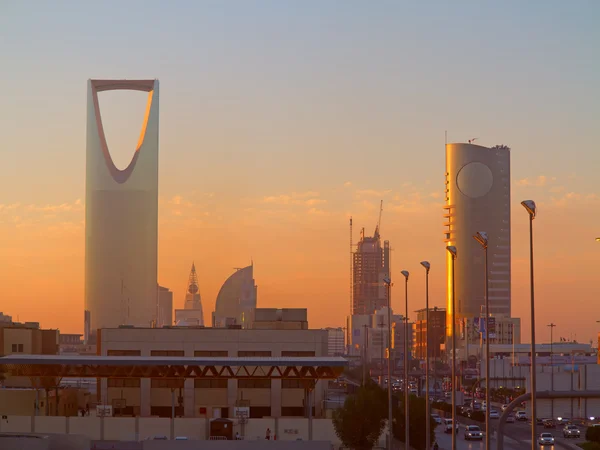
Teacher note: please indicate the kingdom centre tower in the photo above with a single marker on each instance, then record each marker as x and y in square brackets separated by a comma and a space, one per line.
[121, 219]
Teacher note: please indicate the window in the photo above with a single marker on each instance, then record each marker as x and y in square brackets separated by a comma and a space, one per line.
[294, 411]
[20, 348]
[254, 384]
[254, 353]
[167, 353]
[291, 384]
[123, 353]
[123, 382]
[172, 383]
[297, 353]
[258, 412]
[209, 353]
[218, 383]
[14, 348]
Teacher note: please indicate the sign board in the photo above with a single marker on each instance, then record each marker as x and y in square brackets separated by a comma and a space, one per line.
[241, 411]
[104, 411]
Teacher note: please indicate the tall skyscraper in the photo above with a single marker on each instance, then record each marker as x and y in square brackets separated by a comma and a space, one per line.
[236, 299]
[478, 199]
[370, 266]
[192, 310]
[121, 226]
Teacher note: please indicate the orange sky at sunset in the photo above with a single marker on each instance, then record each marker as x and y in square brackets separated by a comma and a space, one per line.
[299, 243]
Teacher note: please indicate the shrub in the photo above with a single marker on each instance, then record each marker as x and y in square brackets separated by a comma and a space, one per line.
[593, 434]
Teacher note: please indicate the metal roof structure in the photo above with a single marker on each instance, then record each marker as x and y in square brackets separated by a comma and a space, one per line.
[308, 369]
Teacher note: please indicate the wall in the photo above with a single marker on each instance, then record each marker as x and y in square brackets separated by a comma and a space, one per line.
[138, 429]
[585, 377]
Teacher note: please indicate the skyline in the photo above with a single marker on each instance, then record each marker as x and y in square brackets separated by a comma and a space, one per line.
[283, 139]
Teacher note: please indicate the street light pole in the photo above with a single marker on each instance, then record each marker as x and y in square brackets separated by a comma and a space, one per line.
[452, 250]
[427, 266]
[552, 325]
[406, 409]
[482, 238]
[530, 207]
[388, 283]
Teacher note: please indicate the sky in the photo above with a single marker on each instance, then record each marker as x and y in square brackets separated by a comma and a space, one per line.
[281, 119]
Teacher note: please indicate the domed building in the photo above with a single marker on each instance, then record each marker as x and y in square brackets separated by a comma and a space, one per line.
[236, 299]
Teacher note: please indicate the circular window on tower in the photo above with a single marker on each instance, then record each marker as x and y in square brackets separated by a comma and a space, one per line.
[475, 180]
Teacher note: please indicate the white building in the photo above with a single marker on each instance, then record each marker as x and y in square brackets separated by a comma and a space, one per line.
[336, 342]
[165, 307]
[121, 223]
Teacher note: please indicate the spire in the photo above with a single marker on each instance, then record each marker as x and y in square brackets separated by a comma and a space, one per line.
[193, 287]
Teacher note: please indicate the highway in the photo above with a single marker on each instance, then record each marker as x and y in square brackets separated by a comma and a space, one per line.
[517, 437]
[521, 432]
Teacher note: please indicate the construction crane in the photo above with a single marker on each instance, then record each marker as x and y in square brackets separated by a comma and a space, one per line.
[378, 227]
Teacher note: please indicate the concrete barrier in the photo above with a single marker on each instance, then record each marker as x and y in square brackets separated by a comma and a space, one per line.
[40, 441]
[234, 445]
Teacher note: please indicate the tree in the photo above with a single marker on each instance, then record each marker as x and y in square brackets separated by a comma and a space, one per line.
[361, 420]
[418, 415]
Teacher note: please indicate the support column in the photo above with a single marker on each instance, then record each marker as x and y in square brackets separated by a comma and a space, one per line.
[145, 386]
[189, 398]
[275, 398]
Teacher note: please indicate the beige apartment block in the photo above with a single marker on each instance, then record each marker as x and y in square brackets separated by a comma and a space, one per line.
[210, 398]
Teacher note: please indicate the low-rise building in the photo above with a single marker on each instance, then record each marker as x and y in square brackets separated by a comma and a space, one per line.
[336, 341]
[210, 397]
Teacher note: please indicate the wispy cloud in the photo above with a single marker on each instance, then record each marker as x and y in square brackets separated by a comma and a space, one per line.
[308, 198]
[372, 192]
[347, 184]
[541, 180]
[572, 198]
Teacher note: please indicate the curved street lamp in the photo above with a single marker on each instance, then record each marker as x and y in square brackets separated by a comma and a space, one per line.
[482, 238]
[388, 282]
[427, 267]
[406, 410]
[531, 209]
[452, 250]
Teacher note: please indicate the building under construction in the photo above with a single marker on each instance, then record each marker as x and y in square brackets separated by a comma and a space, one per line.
[370, 266]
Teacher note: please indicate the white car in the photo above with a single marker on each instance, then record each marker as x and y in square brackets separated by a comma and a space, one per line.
[546, 439]
[448, 426]
[473, 432]
[437, 418]
[571, 431]
[521, 416]
[494, 414]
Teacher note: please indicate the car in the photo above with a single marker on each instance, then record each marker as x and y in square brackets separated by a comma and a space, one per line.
[448, 426]
[521, 416]
[473, 432]
[504, 407]
[478, 406]
[437, 418]
[549, 423]
[546, 439]
[494, 414]
[571, 431]
[160, 438]
[510, 418]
